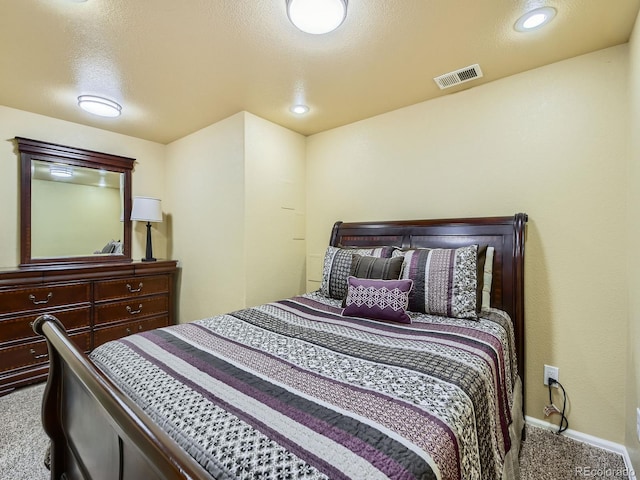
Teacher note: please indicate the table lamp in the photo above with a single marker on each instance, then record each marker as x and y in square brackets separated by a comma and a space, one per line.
[147, 209]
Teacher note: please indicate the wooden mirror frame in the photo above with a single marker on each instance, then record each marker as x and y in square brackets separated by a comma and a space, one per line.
[36, 150]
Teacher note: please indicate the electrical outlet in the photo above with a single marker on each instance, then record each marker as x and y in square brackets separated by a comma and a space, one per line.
[551, 372]
[638, 423]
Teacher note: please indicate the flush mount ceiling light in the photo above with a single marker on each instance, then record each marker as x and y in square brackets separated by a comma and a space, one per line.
[317, 16]
[61, 171]
[99, 106]
[535, 19]
[300, 109]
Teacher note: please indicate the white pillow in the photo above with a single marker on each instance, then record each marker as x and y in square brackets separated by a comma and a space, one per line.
[488, 276]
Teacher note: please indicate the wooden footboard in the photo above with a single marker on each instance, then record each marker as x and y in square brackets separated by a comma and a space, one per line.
[96, 432]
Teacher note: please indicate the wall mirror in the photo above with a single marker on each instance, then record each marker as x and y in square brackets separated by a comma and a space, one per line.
[75, 205]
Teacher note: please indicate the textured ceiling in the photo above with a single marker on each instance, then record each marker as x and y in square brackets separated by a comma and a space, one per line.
[178, 66]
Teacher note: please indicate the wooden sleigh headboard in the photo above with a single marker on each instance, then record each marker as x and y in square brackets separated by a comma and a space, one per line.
[97, 432]
[504, 234]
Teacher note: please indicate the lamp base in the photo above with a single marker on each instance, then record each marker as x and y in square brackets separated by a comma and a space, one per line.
[149, 252]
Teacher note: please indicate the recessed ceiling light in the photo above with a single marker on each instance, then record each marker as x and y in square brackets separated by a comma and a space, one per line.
[300, 109]
[317, 16]
[99, 106]
[535, 19]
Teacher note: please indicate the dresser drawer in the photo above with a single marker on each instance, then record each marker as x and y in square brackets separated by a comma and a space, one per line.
[130, 287]
[106, 334]
[131, 309]
[35, 353]
[40, 298]
[18, 328]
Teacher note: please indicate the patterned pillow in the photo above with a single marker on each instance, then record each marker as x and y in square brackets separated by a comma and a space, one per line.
[337, 267]
[445, 281]
[378, 299]
[484, 274]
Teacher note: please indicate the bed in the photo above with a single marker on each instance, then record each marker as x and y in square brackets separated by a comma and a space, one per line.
[298, 389]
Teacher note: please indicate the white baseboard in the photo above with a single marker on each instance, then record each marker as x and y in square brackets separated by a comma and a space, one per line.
[590, 439]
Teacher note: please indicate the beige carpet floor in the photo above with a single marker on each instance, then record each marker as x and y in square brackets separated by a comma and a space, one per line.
[547, 456]
[23, 443]
[544, 455]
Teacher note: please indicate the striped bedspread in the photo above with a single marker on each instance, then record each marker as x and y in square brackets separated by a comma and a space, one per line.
[294, 390]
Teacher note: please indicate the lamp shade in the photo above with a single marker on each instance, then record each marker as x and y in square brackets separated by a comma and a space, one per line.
[146, 209]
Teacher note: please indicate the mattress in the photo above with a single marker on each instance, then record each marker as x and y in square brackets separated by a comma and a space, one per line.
[293, 389]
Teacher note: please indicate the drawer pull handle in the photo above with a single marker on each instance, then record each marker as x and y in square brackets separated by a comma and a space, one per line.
[134, 312]
[33, 352]
[40, 302]
[134, 290]
[128, 331]
[139, 327]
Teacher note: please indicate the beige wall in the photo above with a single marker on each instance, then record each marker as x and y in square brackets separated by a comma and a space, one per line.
[549, 142]
[227, 185]
[148, 176]
[72, 219]
[274, 211]
[633, 338]
[205, 205]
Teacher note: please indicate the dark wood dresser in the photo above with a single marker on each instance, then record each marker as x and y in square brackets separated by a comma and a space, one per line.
[95, 302]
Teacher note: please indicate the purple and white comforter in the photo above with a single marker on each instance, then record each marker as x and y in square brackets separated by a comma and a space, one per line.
[294, 390]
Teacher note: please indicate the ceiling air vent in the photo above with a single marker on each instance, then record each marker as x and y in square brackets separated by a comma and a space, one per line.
[457, 77]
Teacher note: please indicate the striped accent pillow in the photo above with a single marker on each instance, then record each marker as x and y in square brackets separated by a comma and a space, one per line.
[373, 267]
[445, 281]
[337, 267]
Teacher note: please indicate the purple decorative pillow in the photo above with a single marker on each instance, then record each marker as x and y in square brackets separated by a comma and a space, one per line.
[378, 299]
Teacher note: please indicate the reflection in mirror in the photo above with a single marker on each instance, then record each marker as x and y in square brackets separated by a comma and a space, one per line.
[76, 211]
